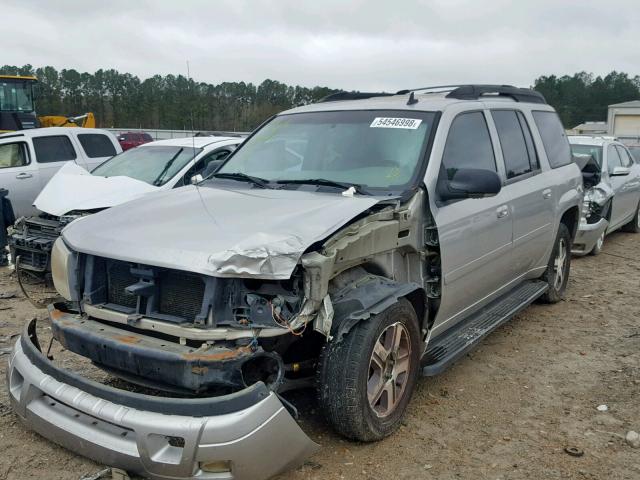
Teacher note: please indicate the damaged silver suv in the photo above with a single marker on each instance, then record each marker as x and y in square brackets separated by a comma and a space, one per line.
[351, 245]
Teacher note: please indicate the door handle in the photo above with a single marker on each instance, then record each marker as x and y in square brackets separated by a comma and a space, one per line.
[23, 175]
[502, 211]
[546, 194]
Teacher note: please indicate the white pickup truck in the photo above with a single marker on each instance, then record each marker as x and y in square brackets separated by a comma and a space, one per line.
[29, 158]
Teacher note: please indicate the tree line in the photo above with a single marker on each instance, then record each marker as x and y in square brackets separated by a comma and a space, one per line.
[583, 97]
[176, 102]
[173, 101]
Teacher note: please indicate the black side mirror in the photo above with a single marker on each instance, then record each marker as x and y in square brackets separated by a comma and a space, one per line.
[469, 183]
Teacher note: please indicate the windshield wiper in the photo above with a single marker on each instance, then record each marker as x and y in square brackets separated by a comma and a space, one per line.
[166, 168]
[243, 177]
[325, 182]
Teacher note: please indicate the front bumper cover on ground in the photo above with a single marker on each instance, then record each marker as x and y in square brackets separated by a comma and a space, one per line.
[157, 437]
[587, 236]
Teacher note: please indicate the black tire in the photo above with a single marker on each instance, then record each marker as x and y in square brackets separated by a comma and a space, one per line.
[634, 225]
[557, 289]
[344, 371]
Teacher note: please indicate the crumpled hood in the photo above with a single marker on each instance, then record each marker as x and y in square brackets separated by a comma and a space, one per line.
[73, 188]
[217, 231]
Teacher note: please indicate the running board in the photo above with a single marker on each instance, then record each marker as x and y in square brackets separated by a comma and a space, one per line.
[448, 347]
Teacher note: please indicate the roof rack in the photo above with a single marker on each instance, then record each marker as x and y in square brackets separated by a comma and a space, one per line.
[474, 92]
[340, 96]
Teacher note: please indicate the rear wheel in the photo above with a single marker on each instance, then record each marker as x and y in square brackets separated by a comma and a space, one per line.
[557, 272]
[634, 225]
[367, 379]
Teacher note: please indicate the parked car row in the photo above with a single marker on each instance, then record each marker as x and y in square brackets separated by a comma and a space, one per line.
[73, 192]
[352, 245]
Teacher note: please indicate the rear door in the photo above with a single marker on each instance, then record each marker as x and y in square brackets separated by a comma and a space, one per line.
[51, 153]
[475, 233]
[97, 148]
[19, 174]
[532, 202]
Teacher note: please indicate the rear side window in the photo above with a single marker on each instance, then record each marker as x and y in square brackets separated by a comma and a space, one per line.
[13, 155]
[53, 149]
[517, 147]
[96, 145]
[146, 137]
[554, 139]
[468, 145]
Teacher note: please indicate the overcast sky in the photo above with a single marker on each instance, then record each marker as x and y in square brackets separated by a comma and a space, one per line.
[341, 44]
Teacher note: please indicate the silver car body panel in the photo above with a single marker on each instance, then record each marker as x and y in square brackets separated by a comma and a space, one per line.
[588, 235]
[484, 254]
[223, 232]
[138, 440]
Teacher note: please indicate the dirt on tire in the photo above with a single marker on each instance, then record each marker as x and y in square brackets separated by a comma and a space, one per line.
[520, 406]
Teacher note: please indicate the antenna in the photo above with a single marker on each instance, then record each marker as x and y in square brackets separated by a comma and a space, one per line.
[193, 144]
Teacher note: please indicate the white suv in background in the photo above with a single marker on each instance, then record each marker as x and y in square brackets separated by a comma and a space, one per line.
[29, 158]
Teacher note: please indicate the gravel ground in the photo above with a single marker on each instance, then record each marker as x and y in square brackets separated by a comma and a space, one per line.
[506, 411]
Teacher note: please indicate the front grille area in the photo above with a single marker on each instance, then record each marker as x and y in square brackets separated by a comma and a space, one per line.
[181, 294]
[119, 277]
[164, 293]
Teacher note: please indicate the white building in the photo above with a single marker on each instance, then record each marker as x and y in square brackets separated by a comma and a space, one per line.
[624, 121]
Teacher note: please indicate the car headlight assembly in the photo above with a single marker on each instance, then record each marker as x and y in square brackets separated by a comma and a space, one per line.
[596, 195]
[64, 270]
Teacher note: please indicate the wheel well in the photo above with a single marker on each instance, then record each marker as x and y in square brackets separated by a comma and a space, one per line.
[571, 218]
[418, 300]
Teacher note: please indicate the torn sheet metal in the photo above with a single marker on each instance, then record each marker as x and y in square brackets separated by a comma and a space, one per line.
[217, 231]
[73, 188]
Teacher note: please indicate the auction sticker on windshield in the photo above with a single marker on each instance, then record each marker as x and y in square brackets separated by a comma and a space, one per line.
[389, 122]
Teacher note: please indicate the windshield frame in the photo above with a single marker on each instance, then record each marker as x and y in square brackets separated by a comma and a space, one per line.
[407, 189]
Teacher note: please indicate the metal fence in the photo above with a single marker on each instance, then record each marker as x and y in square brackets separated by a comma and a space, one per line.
[160, 134]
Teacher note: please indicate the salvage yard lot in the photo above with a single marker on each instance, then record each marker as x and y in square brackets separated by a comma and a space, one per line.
[508, 410]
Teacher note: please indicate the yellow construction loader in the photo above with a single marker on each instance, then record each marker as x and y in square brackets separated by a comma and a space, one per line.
[17, 107]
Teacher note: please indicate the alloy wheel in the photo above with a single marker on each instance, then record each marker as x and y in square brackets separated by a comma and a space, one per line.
[389, 368]
[559, 264]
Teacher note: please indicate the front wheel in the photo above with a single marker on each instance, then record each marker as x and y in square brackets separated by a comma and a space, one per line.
[365, 381]
[634, 225]
[557, 272]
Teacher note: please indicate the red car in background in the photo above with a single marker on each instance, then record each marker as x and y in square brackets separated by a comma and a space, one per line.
[133, 139]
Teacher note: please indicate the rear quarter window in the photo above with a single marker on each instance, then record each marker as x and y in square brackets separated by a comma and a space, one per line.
[96, 145]
[53, 149]
[554, 139]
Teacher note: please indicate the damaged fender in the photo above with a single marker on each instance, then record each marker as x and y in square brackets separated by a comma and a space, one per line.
[363, 298]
